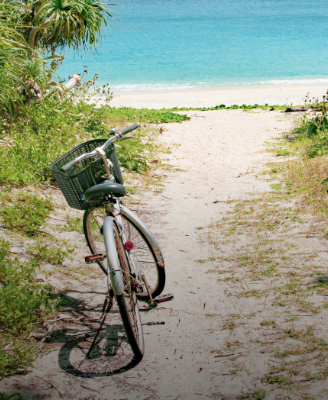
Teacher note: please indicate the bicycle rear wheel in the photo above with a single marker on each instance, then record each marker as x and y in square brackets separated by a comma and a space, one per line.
[127, 300]
[93, 220]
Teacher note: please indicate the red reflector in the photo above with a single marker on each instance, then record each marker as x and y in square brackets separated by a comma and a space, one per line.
[128, 246]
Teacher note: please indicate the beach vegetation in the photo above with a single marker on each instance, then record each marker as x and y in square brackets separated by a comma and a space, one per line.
[312, 131]
[265, 107]
[150, 116]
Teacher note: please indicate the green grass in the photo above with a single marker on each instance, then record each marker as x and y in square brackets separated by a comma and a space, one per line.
[23, 303]
[272, 379]
[233, 107]
[24, 211]
[145, 115]
[42, 251]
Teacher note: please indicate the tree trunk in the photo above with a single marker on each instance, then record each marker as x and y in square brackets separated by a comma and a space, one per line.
[32, 34]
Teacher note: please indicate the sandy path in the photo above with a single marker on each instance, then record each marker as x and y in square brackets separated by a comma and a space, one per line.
[217, 152]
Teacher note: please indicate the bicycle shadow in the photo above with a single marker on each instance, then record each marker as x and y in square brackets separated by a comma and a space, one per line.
[111, 353]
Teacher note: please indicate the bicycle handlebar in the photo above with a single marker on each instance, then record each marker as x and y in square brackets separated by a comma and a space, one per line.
[129, 129]
[69, 165]
[116, 136]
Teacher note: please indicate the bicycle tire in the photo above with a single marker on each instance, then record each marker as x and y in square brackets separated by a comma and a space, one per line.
[127, 300]
[148, 261]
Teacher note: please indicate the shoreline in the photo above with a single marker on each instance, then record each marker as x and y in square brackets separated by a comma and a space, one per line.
[284, 94]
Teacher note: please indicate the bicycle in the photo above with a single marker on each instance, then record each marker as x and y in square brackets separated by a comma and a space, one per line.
[123, 246]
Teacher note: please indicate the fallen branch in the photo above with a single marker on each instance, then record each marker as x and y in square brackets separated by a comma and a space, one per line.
[69, 85]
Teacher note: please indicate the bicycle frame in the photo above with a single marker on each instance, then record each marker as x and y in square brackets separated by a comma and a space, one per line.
[113, 272]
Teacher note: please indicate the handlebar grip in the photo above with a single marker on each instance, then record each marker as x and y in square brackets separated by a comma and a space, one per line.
[129, 128]
[68, 166]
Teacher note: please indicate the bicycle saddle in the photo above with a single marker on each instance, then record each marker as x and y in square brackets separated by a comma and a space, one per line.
[96, 193]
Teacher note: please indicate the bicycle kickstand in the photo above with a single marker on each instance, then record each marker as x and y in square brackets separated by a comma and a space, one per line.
[147, 288]
[108, 303]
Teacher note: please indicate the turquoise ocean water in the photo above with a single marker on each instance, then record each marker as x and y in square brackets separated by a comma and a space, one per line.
[159, 44]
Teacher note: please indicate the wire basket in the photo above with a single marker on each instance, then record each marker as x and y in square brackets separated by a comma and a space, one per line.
[86, 175]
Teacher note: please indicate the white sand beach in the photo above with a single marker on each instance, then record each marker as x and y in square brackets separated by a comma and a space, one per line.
[209, 97]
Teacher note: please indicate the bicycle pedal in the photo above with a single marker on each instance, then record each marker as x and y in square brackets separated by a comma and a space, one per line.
[94, 258]
[163, 297]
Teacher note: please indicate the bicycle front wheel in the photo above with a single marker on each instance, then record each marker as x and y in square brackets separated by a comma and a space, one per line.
[126, 299]
[149, 263]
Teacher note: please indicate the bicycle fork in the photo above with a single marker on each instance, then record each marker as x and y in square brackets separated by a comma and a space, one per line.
[115, 274]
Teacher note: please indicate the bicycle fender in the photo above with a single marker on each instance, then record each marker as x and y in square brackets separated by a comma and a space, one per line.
[115, 272]
[146, 231]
